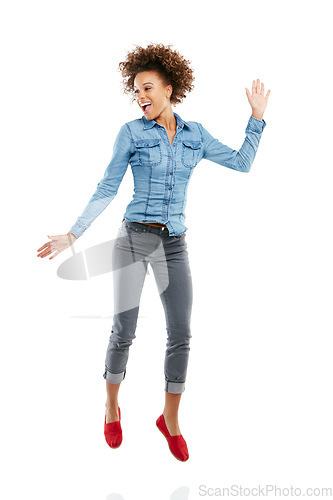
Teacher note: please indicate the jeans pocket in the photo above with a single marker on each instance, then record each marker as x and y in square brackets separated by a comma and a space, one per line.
[179, 237]
[134, 227]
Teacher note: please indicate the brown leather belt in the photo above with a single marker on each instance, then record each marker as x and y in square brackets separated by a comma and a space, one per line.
[153, 224]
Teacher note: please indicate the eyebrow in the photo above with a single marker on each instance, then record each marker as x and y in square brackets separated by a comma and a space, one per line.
[146, 83]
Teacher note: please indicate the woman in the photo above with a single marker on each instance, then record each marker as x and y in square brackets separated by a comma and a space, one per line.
[163, 150]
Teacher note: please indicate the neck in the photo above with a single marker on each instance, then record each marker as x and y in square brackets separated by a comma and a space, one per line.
[167, 119]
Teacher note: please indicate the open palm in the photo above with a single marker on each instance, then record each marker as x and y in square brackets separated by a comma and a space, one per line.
[258, 100]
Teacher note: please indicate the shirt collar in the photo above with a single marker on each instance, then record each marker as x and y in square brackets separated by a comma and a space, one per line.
[150, 123]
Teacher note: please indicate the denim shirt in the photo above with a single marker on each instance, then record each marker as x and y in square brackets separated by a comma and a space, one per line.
[162, 170]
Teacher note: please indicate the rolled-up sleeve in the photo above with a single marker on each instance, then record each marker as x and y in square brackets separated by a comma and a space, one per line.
[214, 150]
[108, 187]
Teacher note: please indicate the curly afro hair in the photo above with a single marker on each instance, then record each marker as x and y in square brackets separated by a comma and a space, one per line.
[172, 67]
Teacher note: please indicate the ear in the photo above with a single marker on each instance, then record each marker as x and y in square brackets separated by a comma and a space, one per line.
[169, 90]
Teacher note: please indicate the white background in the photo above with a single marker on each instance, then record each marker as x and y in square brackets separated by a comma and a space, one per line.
[257, 408]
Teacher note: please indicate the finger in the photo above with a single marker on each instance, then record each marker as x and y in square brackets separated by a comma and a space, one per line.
[258, 86]
[267, 95]
[44, 246]
[262, 92]
[45, 253]
[54, 255]
[253, 87]
[40, 253]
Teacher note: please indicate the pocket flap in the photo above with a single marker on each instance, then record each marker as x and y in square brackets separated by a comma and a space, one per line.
[192, 144]
[147, 143]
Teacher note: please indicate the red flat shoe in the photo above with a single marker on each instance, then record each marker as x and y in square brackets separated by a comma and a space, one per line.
[113, 432]
[177, 444]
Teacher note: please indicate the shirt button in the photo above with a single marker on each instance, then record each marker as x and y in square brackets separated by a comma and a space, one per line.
[166, 203]
[171, 157]
[170, 173]
[169, 189]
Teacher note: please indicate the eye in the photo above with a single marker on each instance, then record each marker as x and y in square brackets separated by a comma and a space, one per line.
[136, 91]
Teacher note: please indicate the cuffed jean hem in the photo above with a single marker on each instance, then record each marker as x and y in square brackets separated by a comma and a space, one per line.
[114, 378]
[174, 387]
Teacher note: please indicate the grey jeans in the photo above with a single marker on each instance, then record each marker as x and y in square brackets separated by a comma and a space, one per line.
[137, 245]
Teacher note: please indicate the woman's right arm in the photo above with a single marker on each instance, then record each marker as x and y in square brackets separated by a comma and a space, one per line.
[106, 190]
[108, 187]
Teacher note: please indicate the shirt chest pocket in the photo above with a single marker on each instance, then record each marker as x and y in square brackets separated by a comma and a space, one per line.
[191, 152]
[148, 152]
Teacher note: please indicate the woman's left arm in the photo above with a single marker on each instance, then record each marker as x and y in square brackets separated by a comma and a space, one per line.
[214, 150]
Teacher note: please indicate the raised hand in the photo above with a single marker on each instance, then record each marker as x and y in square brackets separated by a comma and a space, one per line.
[57, 244]
[258, 100]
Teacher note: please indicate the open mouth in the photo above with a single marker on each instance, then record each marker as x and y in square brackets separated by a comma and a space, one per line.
[146, 107]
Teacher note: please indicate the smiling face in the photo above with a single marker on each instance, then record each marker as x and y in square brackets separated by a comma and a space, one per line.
[150, 88]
